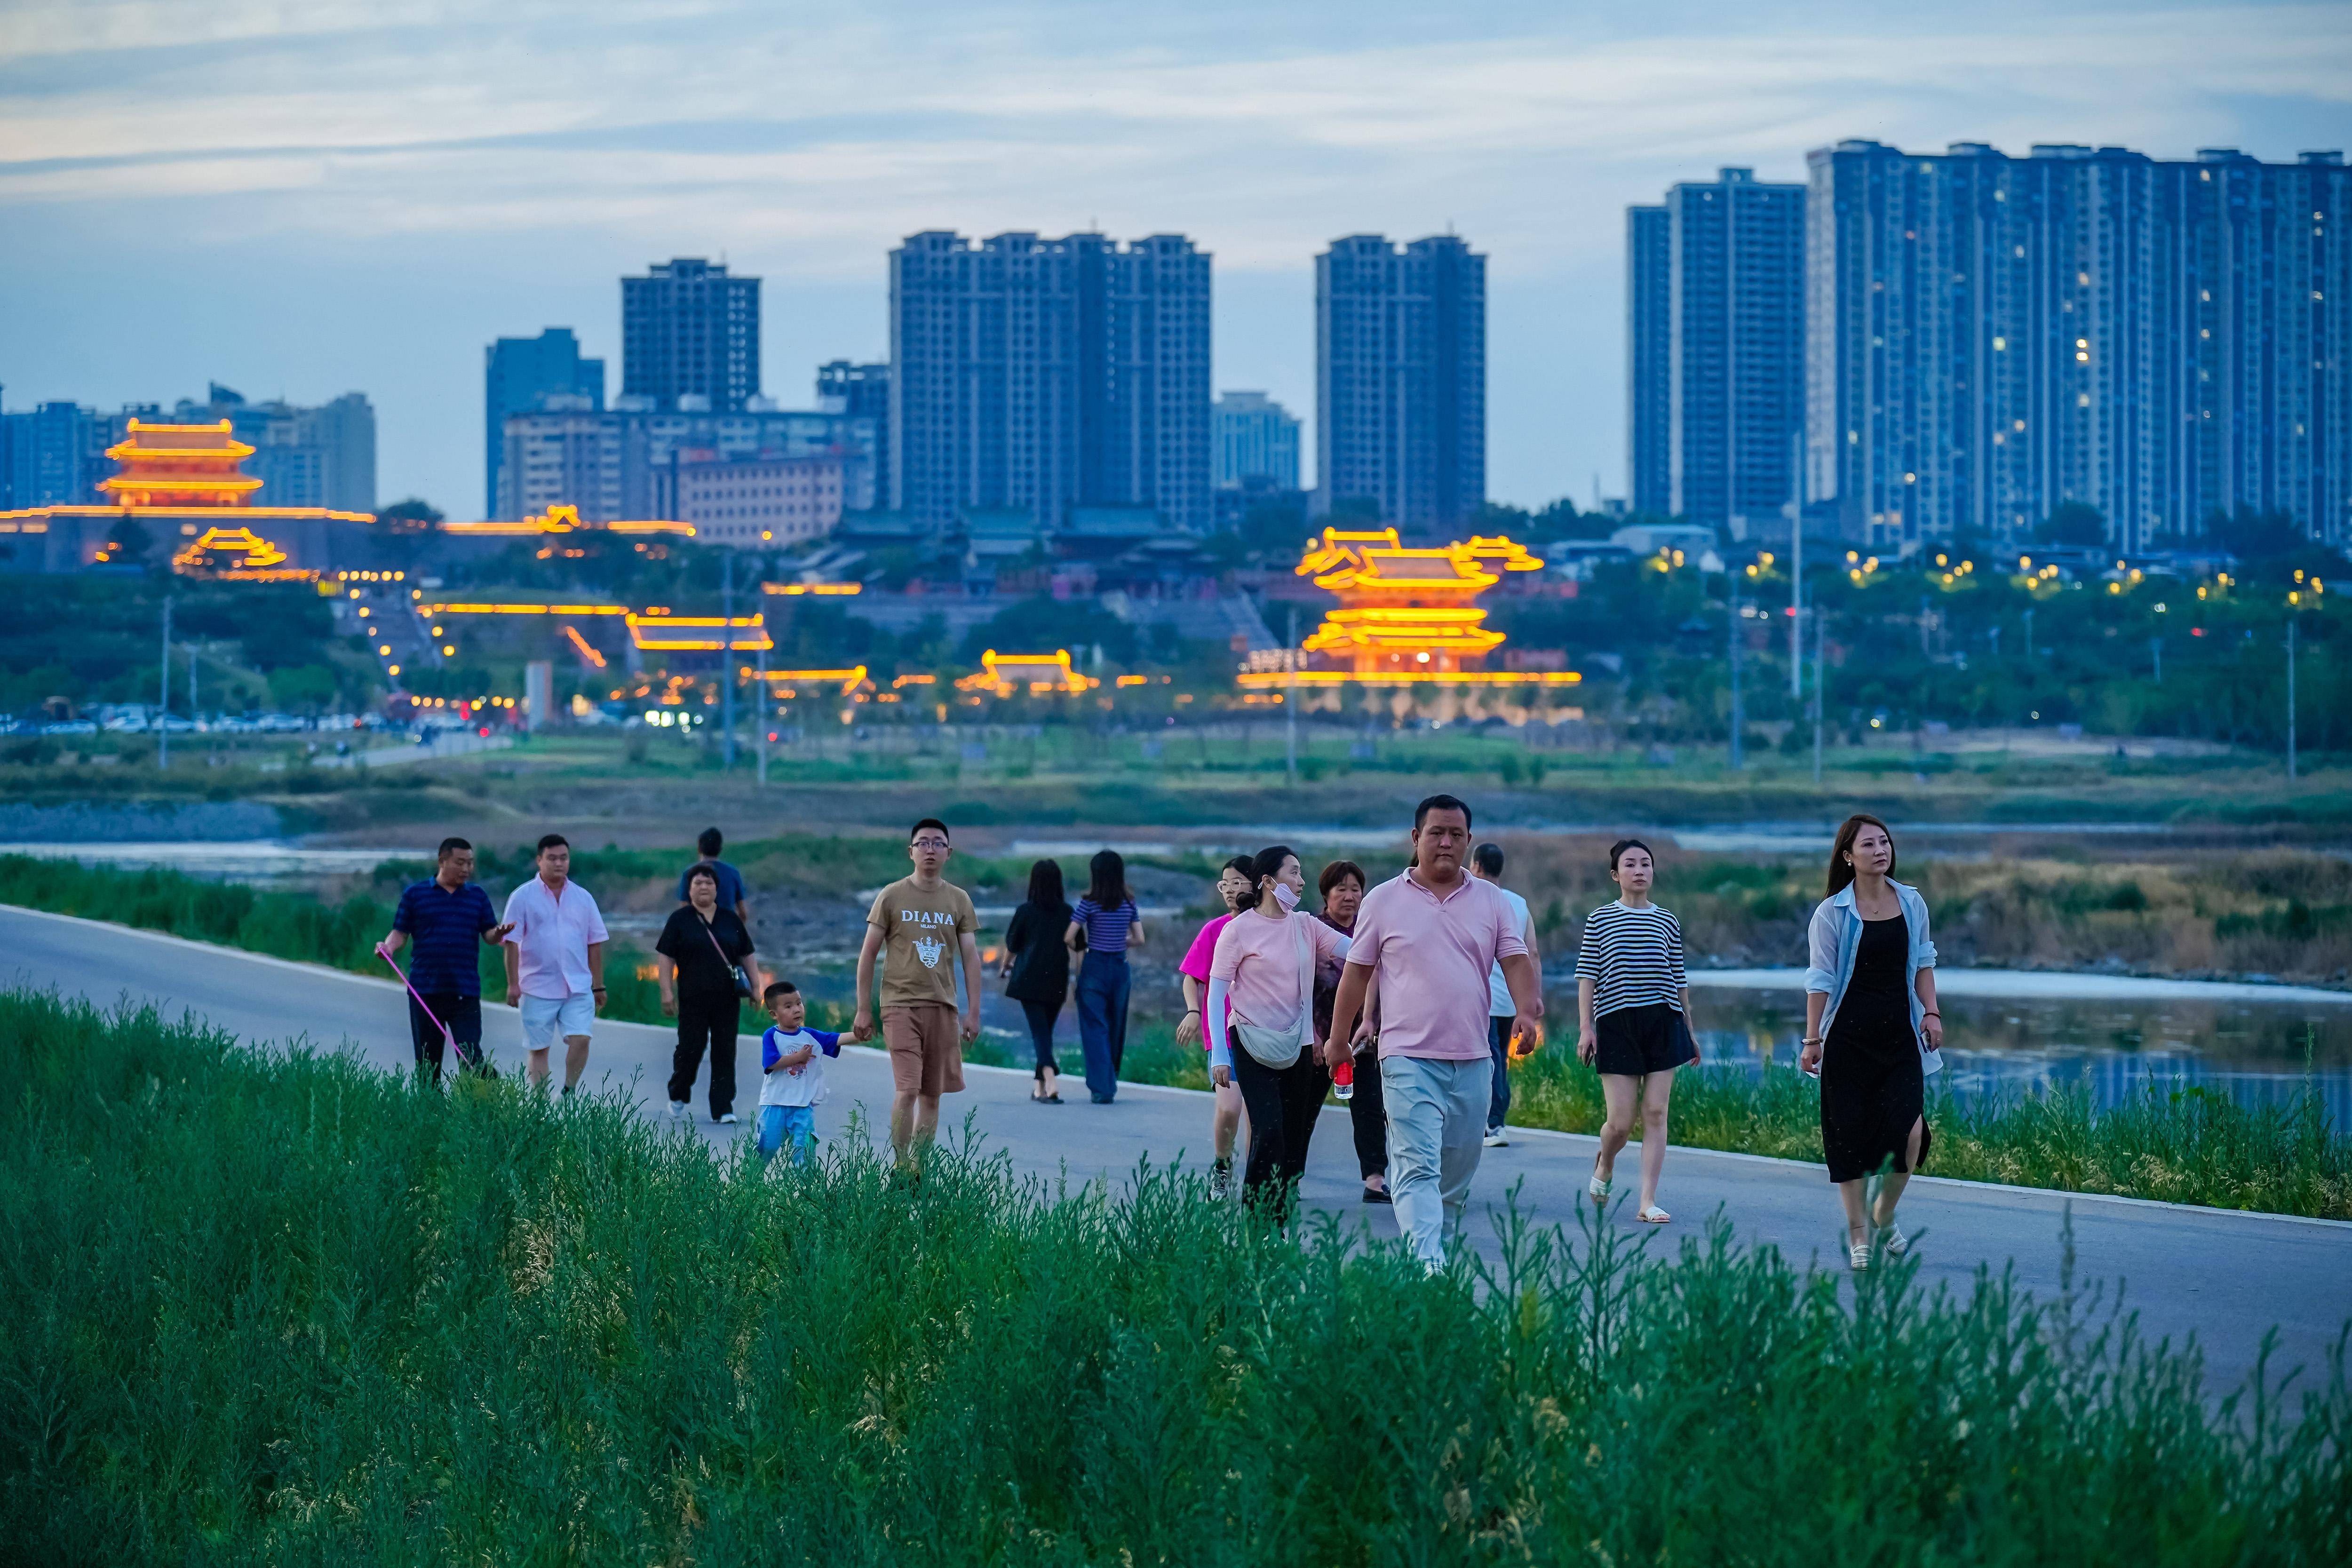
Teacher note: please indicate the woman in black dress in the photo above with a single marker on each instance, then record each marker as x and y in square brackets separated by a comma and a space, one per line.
[1039, 969]
[1872, 1032]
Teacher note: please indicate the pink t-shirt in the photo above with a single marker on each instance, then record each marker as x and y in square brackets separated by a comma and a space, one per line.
[1196, 965]
[1257, 956]
[1433, 956]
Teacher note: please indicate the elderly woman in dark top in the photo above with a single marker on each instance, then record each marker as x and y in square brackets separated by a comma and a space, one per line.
[1038, 969]
[1342, 887]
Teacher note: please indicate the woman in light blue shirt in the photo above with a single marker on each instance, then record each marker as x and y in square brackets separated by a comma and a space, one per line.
[1872, 1032]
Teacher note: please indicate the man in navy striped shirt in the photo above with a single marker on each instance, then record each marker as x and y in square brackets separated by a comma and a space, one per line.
[446, 916]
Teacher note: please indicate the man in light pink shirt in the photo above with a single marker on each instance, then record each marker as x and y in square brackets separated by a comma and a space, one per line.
[1434, 935]
[555, 961]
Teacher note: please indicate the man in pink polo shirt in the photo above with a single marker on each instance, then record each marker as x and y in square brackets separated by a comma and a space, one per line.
[1434, 935]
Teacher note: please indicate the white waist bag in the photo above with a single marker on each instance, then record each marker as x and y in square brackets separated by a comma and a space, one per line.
[1280, 1048]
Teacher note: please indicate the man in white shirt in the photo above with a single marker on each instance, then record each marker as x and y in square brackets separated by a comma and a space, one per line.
[555, 961]
[1487, 865]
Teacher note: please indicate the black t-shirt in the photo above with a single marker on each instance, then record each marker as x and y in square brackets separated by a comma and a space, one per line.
[1041, 964]
[687, 941]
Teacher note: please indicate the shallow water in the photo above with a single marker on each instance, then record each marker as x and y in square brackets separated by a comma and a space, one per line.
[2253, 1049]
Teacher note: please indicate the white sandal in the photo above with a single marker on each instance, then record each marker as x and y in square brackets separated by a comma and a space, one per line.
[1892, 1240]
[1857, 1256]
[1654, 1215]
[1599, 1185]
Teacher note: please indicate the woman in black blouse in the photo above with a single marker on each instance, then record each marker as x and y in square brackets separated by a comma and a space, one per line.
[1038, 968]
[701, 947]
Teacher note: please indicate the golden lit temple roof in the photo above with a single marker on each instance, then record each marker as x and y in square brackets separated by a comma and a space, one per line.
[1372, 562]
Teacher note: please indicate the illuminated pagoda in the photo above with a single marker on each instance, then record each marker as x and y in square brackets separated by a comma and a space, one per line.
[1407, 615]
[185, 484]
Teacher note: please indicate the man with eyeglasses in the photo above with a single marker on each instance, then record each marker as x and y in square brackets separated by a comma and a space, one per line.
[920, 926]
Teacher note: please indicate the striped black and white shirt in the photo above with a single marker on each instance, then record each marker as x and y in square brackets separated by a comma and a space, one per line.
[1633, 958]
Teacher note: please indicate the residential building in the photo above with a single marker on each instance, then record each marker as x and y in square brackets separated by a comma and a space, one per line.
[1401, 380]
[1045, 375]
[860, 392]
[54, 455]
[627, 463]
[1254, 438]
[759, 503]
[519, 376]
[1716, 281]
[1649, 374]
[1988, 338]
[690, 338]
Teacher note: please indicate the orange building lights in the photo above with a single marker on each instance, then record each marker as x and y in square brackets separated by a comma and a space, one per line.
[821, 590]
[1040, 674]
[1406, 615]
[561, 520]
[698, 634]
[586, 649]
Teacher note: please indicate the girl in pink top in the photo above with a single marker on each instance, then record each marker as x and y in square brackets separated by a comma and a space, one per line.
[1265, 960]
[1234, 886]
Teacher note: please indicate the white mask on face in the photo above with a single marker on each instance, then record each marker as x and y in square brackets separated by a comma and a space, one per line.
[1287, 896]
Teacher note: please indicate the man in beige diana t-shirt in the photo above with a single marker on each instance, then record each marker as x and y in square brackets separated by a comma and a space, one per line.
[920, 924]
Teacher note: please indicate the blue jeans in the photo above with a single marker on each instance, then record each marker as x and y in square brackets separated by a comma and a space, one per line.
[1435, 1132]
[1498, 1044]
[778, 1122]
[1103, 983]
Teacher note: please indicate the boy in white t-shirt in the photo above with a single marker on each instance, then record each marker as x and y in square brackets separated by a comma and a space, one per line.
[791, 1073]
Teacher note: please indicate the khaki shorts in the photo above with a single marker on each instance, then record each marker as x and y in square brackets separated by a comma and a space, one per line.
[926, 1043]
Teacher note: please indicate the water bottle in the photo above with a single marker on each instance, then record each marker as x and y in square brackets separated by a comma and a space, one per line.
[1343, 1079]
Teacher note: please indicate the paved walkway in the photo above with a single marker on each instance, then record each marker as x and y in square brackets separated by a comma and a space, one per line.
[2223, 1277]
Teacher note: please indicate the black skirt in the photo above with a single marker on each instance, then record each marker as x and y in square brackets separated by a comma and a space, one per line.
[1873, 1090]
[1635, 1041]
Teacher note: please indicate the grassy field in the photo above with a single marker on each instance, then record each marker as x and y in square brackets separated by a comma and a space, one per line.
[2187, 1146]
[292, 1310]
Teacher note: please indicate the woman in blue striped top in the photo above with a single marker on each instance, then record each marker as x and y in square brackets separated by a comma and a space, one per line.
[1104, 926]
[1632, 1004]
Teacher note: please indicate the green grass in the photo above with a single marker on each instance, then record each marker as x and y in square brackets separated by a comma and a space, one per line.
[294, 1310]
[2184, 1146]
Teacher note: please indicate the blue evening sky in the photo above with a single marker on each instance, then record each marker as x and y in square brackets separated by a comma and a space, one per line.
[305, 199]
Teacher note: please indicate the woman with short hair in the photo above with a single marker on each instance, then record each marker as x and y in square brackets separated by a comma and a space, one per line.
[1265, 966]
[701, 947]
[1872, 1032]
[1104, 926]
[1036, 970]
[1228, 1114]
[1343, 886]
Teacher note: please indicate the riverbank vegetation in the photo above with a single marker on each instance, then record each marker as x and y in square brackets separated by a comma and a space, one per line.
[288, 1309]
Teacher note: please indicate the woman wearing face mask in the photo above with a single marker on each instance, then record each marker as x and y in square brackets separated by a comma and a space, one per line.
[1225, 1119]
[1872, 1032]
[1265, 965]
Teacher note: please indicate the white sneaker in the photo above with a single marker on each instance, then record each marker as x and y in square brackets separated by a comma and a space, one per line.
[728, 1120]
[679, 1111]
[1495, 1138]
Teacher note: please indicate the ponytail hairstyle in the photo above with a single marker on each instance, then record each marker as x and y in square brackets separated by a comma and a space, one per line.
[1842, 869]
[1106, 880]
[1264, 866]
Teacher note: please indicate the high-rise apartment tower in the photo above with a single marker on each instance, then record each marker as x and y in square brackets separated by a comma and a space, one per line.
[1036, 374]
[690, 338]
[1401, 379]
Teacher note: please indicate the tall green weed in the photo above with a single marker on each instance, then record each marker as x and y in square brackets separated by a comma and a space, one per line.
[290, 1310]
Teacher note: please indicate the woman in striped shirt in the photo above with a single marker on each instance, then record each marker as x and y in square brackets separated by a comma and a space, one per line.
[1633, 1007]
[1104, 926]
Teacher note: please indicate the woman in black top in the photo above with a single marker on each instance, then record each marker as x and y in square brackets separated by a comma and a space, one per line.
[699, 948]
[1342, 887]
[1038, 967]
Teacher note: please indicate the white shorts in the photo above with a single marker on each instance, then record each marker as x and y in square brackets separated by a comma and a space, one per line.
[545, 1018]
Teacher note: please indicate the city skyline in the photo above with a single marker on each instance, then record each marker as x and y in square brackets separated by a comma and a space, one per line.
[358, 199]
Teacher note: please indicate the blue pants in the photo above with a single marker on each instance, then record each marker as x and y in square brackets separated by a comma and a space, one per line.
[1103, 983]
[1434, 1108]
[778, 1122]
[1498, 1046]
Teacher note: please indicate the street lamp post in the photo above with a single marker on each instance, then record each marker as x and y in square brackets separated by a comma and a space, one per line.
[1739, 715]
[2290, 694]
[162, 725]
[727, 657]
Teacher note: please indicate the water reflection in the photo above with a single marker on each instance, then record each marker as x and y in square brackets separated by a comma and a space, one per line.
[2253, 1050]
